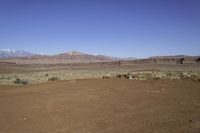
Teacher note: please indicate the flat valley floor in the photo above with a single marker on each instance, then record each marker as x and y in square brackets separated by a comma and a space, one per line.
[101, 106]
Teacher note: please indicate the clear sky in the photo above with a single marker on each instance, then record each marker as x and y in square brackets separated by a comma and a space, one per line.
[122, 28]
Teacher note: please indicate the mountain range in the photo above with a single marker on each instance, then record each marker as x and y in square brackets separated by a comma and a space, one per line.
[9, 53]
[24, 57]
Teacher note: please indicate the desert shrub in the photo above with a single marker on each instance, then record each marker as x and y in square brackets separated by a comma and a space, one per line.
[142, 77]
[2, 78]
[122, 76]
[105, 77]
[20, 81]
[195, 78]
[156, 78]
[46, 75]
[53, 79]
[198, 60]
[168, 74]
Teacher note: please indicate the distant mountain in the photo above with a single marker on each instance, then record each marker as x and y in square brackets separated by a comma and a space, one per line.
[108, 57]
[172, 56]
[130, 58]
[23, 57]
[79, 57]
[117, 58]
[178, 59]
[9, 53]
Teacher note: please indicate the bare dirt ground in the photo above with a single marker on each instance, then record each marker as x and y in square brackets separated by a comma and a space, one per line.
[101, 106]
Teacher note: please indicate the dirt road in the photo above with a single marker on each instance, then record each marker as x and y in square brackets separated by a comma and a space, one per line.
[101, 106]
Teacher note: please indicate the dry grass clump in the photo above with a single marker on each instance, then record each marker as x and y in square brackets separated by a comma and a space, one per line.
[20, 81]
[53, 79]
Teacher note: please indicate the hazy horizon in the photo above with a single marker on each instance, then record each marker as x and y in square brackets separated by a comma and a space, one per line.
[121, 28]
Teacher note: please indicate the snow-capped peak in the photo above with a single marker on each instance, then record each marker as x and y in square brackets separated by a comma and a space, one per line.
[8, 50]
[8, 53]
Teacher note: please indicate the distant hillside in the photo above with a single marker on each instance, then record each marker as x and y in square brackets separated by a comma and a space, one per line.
[178, 59]
[173, 56]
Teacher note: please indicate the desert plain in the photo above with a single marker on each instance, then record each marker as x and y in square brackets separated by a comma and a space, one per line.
[111, 97]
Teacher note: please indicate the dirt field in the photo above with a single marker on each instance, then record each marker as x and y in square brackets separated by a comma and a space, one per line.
[101, 106]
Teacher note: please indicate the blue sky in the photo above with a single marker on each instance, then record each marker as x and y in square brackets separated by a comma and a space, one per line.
[123, 28]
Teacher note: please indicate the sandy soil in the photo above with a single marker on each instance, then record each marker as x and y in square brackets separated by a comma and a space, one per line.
[101, 106]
